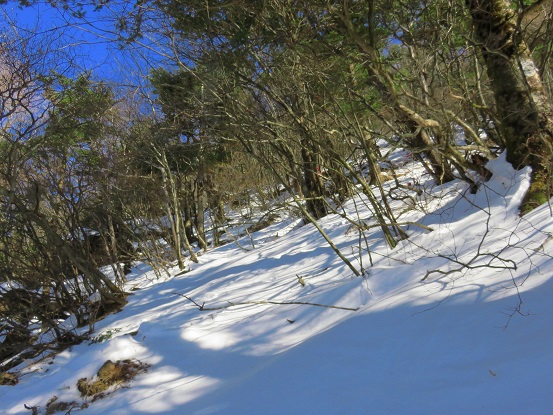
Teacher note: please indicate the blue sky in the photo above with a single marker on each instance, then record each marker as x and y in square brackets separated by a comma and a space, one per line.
[90, 45]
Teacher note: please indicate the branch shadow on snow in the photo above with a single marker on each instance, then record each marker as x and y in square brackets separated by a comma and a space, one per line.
[408, 350]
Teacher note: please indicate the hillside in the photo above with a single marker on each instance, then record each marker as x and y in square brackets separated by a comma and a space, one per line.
[455, 320]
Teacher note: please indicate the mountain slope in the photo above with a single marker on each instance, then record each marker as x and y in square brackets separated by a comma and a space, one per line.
[472, 337]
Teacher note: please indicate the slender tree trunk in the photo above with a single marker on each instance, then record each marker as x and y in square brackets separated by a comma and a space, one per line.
[218, 219]
[114, 252]
[186, 241]
[188, 211]
[200, 216]
[313, 187]
[172, 213]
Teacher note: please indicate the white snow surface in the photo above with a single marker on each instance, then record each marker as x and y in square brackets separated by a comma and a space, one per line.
[473, 338]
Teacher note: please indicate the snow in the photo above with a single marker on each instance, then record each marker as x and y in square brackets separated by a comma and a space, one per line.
[456, 321]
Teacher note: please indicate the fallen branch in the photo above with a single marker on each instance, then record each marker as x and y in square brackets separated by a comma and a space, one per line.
[202, 306]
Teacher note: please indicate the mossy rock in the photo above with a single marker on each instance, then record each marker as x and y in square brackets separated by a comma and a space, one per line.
[8, 379]
[91, 387]
[110, 374]
[532, 201]
[538, 194]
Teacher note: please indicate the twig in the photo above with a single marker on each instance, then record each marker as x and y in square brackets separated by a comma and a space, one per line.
[200, 307]
[31, 408]
[542, 246]
[230, 304]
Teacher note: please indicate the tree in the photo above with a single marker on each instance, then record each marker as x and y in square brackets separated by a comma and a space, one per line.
[190, 122]
[49, 144]
[525, 112]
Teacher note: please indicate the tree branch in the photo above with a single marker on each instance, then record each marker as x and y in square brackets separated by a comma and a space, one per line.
[202, 307]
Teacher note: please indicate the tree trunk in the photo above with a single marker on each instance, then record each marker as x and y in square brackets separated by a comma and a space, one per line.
[188, 211]
[313, 187]
[185, 241]
[218, 219]
[200, 214]
[114, 252]
[525, 112]
[172, 214]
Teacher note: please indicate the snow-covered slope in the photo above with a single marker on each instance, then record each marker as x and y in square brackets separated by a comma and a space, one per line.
[456, 321]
